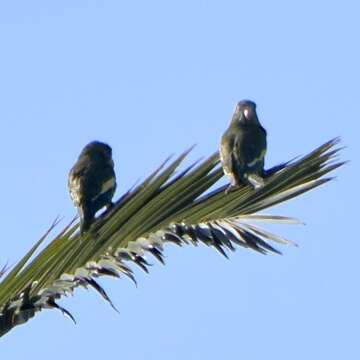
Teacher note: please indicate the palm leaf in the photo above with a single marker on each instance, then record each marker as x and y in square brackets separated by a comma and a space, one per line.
[165, 208]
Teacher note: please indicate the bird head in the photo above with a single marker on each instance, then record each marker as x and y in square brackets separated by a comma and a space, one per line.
[98, 149]
[245, 113]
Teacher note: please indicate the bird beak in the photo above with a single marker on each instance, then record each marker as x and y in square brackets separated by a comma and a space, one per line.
[246, 113]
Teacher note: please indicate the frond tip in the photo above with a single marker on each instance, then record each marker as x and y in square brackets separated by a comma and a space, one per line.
[163, 209]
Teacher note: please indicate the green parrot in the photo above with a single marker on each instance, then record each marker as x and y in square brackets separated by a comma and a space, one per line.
[92, 182]
[243, 147]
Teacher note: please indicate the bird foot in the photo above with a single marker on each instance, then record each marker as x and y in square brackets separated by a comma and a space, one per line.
[94, 233]
[110, 206]
[91, 232]
[256, 181]
[231, 188]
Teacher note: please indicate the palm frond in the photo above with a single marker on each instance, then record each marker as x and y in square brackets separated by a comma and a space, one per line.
[165, 208]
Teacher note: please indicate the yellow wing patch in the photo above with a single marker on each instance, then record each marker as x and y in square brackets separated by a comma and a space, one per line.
[258, 159]
[106, 186]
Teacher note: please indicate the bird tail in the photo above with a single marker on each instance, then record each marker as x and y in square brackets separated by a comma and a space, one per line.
[255, 180]
[86, 218]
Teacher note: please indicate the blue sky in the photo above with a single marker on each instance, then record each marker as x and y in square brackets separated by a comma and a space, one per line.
[151, 79]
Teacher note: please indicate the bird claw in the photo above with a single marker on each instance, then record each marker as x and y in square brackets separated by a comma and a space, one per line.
[110, 206]
[256, 181]
[94, 233]
[231, 188]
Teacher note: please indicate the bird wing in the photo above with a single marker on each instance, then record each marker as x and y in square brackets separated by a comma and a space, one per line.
[88, 181]
[77, 183]
[249, 151]
[227, 155]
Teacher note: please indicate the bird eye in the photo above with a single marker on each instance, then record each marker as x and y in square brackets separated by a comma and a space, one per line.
[246, 113]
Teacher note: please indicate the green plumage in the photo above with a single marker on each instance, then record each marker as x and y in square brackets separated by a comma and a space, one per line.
[243, 147]
[92, 182]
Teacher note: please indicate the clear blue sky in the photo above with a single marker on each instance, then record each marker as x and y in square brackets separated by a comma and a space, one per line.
[152, 78]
